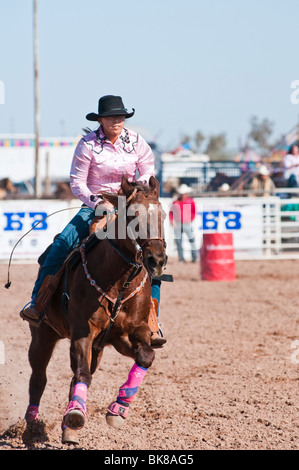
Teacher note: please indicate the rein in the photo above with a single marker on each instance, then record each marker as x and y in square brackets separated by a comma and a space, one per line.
[118, 302]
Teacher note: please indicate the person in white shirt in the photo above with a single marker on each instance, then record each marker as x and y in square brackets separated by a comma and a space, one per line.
[291, 167]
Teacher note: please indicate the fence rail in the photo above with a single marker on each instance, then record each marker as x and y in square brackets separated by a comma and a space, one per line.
[280, 229]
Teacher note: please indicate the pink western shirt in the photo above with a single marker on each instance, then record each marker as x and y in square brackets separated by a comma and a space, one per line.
[98, 165]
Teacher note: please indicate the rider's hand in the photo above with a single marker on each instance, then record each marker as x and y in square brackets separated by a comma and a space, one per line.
[102, 207]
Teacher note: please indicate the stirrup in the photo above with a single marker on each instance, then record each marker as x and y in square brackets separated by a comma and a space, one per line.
[157, 338]
[31, 320]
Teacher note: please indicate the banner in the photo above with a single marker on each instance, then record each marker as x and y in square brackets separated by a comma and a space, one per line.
[18, 217]
[241, 216]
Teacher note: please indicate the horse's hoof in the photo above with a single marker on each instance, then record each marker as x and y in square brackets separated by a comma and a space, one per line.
[74, 419]
[115, 421]
[69, 436]
[31, 415]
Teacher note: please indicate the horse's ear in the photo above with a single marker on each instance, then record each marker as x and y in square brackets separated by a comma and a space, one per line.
[126, 186]
[154, 185]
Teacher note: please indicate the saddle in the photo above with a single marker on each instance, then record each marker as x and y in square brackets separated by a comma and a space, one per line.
[51, 282]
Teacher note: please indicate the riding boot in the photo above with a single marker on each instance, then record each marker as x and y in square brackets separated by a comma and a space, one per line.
[31, 314]
[157, 337]
[34, 313]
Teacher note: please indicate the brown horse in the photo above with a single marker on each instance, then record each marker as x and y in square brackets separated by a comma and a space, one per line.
[108, 304]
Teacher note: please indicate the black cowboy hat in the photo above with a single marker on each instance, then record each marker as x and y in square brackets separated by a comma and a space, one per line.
[110, 105]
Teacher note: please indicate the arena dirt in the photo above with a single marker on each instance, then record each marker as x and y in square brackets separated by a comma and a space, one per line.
[227, 378]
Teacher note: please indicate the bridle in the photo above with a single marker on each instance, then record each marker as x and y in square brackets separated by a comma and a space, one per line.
[140, 243]
[143, 242]
[150, 239]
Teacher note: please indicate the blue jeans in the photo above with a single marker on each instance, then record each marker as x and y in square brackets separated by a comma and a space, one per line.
[155, 291]
[178, 234]
[74, 232]
[292, 182]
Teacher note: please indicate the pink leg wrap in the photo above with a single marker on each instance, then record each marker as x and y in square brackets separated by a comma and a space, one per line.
[129, 389]
[78, 401]
[118, 409]
[31, 413]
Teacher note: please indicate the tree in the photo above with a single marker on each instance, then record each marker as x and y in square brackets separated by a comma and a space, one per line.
[260, 133]
[198, 138]
[216, 144]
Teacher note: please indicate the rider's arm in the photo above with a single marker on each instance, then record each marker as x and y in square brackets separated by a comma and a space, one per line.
[79, 174]
[146, 161]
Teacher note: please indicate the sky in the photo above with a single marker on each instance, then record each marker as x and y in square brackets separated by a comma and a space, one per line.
[185, 66]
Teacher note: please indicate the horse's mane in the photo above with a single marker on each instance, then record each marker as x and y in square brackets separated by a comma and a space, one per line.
[140, 186]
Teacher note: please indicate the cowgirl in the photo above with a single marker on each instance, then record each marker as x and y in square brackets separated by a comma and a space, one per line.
[100, 160]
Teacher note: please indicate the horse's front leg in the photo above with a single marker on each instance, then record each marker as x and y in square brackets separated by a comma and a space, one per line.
[80, 352]
[144, 357]
[40, 351]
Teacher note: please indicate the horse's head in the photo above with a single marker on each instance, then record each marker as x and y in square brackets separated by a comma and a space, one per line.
[145, 222]
[139, 223]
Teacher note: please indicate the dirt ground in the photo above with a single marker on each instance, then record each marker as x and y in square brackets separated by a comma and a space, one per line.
[226, 379]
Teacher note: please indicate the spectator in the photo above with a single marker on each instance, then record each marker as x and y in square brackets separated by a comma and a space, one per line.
[182, 214]
[291, 167]
[262, 182]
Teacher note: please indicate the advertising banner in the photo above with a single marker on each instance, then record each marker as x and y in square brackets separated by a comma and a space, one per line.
[17, 217]
[242, 217]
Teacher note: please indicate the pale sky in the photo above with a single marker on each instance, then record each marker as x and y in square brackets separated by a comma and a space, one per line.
[184, 66]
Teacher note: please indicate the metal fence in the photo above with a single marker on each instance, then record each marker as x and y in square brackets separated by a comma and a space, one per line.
[263, 227]
[281, 228]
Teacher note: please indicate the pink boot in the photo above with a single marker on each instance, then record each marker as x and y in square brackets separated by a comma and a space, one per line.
[75, 414]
